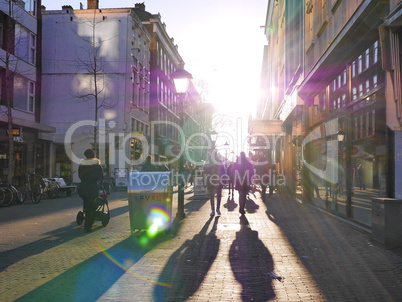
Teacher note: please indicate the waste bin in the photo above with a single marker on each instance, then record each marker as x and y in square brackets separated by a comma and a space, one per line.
[386, 221]
[150, 201]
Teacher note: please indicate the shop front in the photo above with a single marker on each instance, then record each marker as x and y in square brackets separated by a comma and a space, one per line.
[346, 148]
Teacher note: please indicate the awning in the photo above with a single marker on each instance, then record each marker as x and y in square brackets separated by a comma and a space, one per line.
[29, 124]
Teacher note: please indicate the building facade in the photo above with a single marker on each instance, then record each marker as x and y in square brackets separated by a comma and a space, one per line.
[96, 85]
[107, 85]
[175, 119]
[24, 149]
[335, 69]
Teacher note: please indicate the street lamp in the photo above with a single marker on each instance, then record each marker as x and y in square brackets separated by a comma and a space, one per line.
[226, 147]
[181, 80]
[214, 137]
[341, 136]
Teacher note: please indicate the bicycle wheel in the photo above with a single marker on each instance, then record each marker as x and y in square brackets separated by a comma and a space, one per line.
[8, 197]
[2, 196]
[36, 193]
[17, 195]
[53, 190]
[112, 185]
[24, 193]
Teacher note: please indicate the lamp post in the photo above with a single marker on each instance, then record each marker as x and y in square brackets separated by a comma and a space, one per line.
[344, 143]
[214, 135]
[181, 80]
[226, 147]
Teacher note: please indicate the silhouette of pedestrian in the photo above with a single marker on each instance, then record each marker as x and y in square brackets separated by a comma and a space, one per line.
[243, 173]
[90, 173]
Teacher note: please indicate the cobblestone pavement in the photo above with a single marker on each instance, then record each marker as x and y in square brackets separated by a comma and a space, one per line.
[279, 251]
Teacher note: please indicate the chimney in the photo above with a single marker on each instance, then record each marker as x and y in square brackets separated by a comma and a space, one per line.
[93, 4]
[67, 7]
[140, 6]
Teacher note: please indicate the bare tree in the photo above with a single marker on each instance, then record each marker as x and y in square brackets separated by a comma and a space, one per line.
[12, 38]
[95, 66]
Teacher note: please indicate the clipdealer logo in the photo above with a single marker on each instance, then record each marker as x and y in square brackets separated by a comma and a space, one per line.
[108, 134]
[329, 151]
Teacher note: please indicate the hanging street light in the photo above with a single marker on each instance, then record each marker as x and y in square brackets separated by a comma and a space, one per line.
[181, 80]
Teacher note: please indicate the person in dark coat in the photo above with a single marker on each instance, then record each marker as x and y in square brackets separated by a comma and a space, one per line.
[148, 166]
[90, 173]
[213, 172]
[243, 173]
[262, 168]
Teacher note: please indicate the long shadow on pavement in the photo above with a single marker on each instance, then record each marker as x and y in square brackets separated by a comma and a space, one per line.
[342, 261]
[250, 261]
[47, 206]
[188, 265]
[52, 239]
[89, 280]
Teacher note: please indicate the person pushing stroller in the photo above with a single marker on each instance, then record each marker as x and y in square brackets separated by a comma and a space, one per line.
[90, 173]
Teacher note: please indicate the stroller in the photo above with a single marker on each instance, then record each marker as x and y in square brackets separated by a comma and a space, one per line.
[102, 212]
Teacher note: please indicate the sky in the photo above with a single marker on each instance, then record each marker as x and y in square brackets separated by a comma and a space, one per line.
[220, 41]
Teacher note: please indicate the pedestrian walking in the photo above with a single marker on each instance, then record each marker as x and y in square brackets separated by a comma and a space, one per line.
[90, 173]
[213, 172]
[243, 173]
[262, 168]
[360, 177]
[148, 166]
[230, 174]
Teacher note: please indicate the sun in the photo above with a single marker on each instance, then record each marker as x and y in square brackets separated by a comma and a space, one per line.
[232, 95]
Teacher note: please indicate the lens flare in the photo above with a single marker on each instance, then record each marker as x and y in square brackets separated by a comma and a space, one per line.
[158, 220]
[126, 268]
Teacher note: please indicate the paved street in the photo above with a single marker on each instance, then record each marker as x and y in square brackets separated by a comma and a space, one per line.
[281, 251]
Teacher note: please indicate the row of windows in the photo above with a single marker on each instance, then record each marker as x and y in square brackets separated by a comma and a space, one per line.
[165, 95]
[369, 58]
[140, 91]
[366, 76]
[137, 125]
[24, 44]
[364, 125]
[168, 127]
[164, 62]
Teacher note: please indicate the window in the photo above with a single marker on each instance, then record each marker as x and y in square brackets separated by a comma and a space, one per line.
[360, 64]
[375, 80]
[375, 52]
[367, 58]
[24, 94]
[354, 93]
[32, 49]
[31, 96]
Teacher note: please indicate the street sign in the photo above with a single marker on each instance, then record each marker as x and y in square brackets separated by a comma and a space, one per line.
[176, 149]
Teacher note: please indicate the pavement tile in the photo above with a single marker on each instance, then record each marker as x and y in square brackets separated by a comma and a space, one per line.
[282, 250]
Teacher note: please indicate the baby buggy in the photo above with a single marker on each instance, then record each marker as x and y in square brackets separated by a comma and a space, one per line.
[102, 212]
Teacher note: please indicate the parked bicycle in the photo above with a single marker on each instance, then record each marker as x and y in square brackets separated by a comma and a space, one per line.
[9, 195]
[33, 187]
[65, 184]
[51, 188]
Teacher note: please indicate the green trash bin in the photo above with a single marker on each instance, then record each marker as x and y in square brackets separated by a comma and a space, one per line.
[150, 201]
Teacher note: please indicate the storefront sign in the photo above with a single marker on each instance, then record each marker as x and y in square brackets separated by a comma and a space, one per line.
[15, 132]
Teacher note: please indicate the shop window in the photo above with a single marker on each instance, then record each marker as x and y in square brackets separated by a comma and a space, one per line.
[353, 69]
[360, 64]
[375, 52]
[367, 58]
